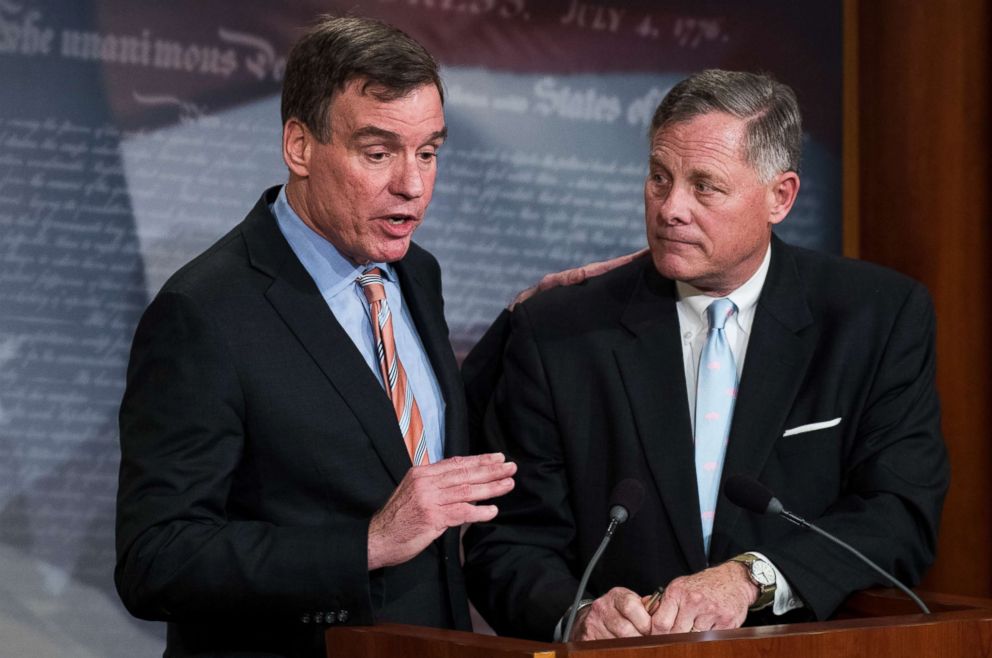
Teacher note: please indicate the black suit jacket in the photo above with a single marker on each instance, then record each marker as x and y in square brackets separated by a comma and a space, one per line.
[593, 391]
[256, 446]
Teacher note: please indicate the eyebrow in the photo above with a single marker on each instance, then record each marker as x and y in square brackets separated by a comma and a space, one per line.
[389, 135]
[693, 173]
[656, 163]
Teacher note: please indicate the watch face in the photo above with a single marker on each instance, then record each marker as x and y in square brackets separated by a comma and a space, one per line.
[763, 572]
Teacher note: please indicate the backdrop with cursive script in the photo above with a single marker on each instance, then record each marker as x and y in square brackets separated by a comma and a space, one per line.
[132, 135]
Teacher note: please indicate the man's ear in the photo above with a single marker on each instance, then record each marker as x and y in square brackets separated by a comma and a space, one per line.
[782, 192]
[297, 141]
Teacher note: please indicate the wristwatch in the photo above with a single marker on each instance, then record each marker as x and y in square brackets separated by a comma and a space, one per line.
[761, 574]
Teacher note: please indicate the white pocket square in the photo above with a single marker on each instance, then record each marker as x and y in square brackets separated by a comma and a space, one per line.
[812, 427]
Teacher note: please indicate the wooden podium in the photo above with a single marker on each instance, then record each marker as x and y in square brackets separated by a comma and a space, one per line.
[875, 623]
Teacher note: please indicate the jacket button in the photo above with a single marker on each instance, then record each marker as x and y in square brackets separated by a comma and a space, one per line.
[343, 616]
[305, 618]
[318, 618]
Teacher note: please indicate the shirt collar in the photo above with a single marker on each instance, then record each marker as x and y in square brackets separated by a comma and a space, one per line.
[693, 302]
[331, 270]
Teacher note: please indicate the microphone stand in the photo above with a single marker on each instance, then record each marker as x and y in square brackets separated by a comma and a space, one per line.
[614, 523]
[803, 523]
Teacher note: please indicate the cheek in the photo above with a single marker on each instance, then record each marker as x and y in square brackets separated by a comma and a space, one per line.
[650, 205]
[652, 210]
[361, 188]
[360, 196]
[741, 240]
[428, 180]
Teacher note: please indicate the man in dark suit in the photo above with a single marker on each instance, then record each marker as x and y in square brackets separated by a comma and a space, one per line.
[725, 351]
[269, 428]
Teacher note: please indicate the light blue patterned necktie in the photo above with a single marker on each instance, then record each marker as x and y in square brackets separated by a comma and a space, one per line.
[716, 391]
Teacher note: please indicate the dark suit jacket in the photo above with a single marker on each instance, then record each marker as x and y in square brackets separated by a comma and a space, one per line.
[256, 446]
[593, 391]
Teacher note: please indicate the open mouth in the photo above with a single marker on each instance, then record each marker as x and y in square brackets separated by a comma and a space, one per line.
[397, 220]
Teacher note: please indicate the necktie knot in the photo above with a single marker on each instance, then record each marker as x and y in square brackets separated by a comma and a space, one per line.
[371, 283]
[719, 312]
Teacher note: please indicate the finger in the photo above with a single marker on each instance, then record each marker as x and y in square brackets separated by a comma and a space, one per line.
[664, 616]
[684, 619]
[459, 470]
[619, 626]
[602, 267]
[460, 513]
[632, 609]
[463, 461]
[470, 493]
[474, 475]
[571, 277]
[725, 619]
[605, 621]
[704, 623]
[523, 296]
[549, 281]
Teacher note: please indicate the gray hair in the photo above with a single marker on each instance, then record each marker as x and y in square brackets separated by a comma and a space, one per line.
[773, 133]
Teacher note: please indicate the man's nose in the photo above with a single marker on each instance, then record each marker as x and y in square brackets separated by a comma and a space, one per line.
[674, 207]
[408, 178]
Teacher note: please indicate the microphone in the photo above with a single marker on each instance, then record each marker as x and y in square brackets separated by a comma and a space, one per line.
[748, 493]
[625, 500]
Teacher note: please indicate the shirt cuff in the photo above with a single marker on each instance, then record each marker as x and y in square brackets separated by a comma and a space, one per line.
[784, 600]
[560, 626]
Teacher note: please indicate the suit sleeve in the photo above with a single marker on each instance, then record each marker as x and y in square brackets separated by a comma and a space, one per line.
[482, 369]
[895, 477]
[183, 553]
[520, 569]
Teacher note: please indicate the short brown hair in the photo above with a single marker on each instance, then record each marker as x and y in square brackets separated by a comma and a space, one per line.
[337, 50]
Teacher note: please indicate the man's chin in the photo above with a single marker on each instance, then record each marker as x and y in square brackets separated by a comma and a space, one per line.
[672, 267]
[393, 251]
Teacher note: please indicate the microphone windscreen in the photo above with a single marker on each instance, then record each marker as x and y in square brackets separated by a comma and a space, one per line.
[748, 493]
[628, 494]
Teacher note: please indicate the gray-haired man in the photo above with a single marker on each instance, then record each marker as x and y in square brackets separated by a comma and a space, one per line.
[815, 375]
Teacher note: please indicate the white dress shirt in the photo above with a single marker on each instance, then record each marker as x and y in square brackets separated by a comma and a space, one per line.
[691, 307]
[336, 278]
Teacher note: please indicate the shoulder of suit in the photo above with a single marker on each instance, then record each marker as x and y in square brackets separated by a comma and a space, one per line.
[417, 256]
[213, 267]
[224, 264]
[421, 265]
[849, 276]
[602, 293]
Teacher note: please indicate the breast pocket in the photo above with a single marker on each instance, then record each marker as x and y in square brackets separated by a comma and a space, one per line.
[814, 437]
[808, 463]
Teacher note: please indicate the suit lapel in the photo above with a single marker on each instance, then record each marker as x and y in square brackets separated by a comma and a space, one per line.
[778, 354]
[654, 378]
[297, 300]
[426, 309]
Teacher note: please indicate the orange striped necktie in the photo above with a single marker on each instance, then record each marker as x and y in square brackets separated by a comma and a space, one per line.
[393, 374]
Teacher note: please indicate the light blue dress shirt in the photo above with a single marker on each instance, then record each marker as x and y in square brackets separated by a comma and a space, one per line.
[335, 277]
